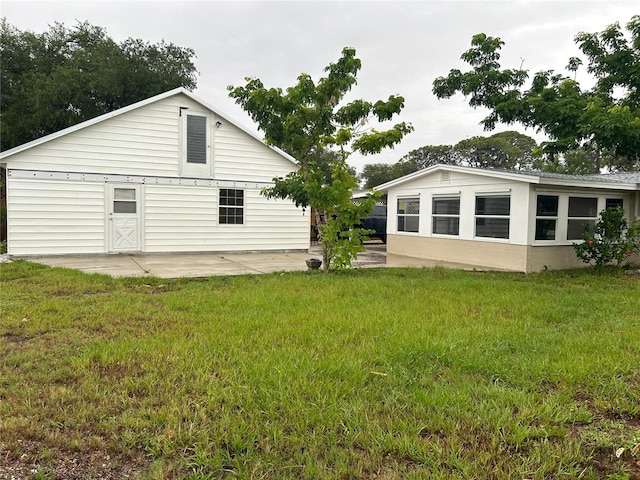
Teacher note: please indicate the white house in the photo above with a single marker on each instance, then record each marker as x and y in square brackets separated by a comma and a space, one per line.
[167, 174]
[523, 221]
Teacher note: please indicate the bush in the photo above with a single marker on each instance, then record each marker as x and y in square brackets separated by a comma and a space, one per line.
[610, 239]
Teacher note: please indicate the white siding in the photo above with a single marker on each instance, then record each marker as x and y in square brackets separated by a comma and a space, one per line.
[147, 141]
[141, 142]
[185, 219]
[56, 195]
[55, 217]
[238, 156]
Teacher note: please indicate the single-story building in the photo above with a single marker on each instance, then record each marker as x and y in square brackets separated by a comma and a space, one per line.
[167, 174]
[522, 221]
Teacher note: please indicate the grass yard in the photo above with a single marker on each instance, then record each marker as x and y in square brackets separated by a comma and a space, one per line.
[368, 374]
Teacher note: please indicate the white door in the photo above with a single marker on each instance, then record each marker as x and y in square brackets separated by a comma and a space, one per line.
[124, 218]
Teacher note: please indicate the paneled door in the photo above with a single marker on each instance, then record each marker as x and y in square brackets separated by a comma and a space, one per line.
[124, 218]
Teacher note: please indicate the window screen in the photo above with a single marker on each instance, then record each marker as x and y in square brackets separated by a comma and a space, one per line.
[492, 216]
[196, 139]
[446, 215]
[408, 214]
[582, 214]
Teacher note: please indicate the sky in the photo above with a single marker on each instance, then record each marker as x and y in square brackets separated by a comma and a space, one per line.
[403, 46]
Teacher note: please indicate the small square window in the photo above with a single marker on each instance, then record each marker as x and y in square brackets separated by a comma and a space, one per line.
[545, 229]
[547, 206]
[231, 209]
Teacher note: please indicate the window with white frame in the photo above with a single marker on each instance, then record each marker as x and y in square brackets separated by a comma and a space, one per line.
[492, 216]
[546, 217]
[583, 212]
[445, 215]
[408, 214]
[231, 207]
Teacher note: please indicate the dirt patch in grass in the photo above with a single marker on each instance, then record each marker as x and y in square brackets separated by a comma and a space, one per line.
[28, 460]
[606, 444]
[603, 461]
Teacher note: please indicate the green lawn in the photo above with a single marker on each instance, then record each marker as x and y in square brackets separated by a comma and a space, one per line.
[374, 374]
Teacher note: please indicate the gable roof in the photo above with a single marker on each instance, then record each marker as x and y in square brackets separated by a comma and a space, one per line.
[134, 106]
[619, 181]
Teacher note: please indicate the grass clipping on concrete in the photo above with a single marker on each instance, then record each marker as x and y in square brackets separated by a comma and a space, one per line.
[390, 373]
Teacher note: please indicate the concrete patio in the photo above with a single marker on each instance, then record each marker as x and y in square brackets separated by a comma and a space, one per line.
[175, 265]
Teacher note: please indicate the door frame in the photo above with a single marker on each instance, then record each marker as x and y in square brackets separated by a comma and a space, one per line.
[138, 216]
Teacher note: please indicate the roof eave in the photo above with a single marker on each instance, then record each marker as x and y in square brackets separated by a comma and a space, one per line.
[590, 184]
[520, 177]
[530, 178]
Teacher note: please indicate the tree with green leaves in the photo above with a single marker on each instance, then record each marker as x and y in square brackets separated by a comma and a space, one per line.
[374, 174]
[378, 173]
[603, 118]
[505, 150]
[310, 117]
[612, 239]
[581, 161]
[62, 77]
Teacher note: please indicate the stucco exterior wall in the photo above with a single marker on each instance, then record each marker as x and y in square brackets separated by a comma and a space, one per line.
[521, 251]
[467, 187]
[552, 257]
[471, 252]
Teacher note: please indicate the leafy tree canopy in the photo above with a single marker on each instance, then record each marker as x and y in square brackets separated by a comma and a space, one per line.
[505, 150]
[309, 119]
[65, 76]
[603, 118]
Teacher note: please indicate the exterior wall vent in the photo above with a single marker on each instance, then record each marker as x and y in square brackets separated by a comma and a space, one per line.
[445, 177]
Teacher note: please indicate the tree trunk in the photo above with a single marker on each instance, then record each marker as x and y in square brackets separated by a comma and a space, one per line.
[325, 251]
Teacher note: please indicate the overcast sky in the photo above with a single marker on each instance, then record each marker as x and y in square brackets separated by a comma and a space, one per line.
[403, 46]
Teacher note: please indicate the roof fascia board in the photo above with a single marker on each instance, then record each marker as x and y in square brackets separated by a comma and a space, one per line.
[589, 184]
[530, 178]
[456, 168]
[88, 123]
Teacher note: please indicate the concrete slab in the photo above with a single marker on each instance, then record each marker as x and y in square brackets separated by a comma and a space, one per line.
[175, 265]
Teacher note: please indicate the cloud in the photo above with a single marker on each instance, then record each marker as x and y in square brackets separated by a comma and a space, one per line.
[403, 46]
